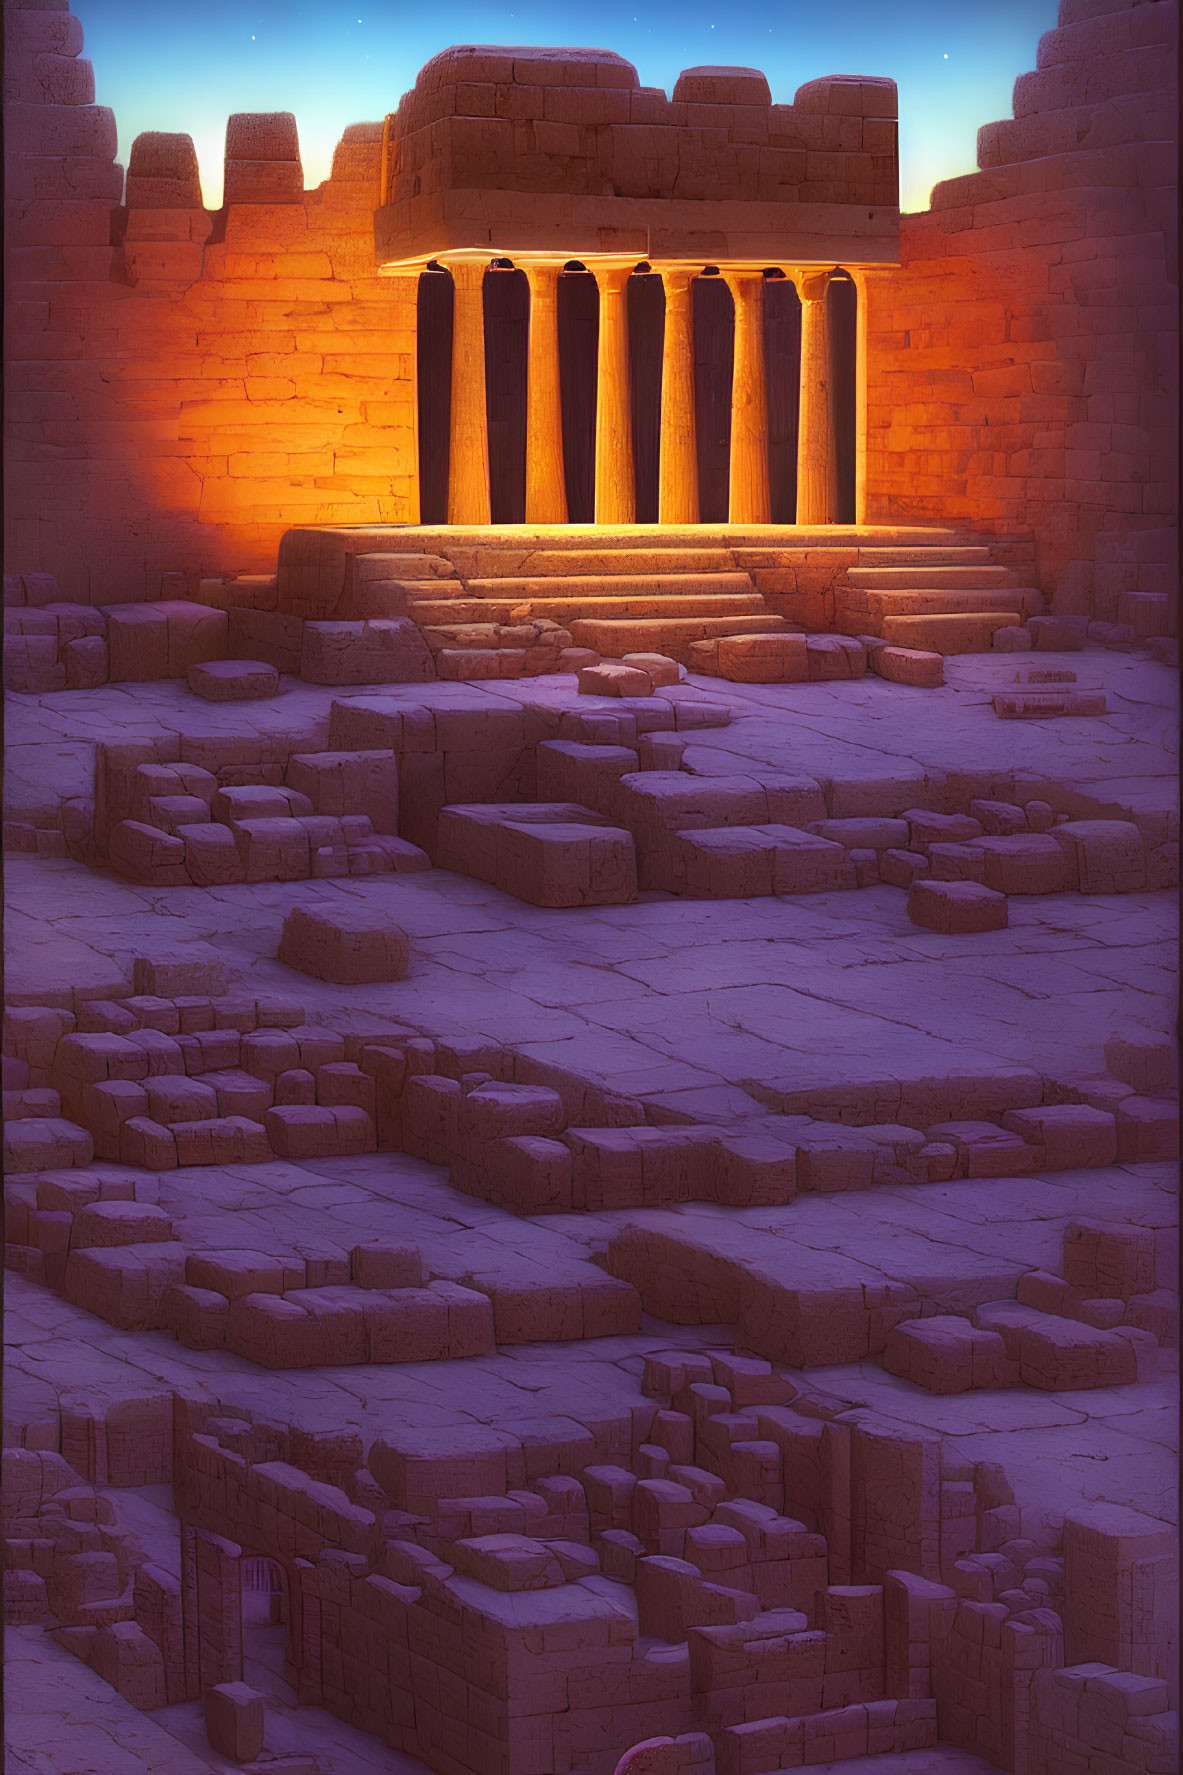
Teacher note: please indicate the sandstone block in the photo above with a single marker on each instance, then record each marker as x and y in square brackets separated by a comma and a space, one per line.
[351, 947]
[86, 662]
[275, 849]
[132, 1663]
[378, 1264]
[36, 1143]
[39, 589]
[211, 854]
[556, 864]
[144, 854]
[1025, 863]
[303, 1132]
[233, 680]
[120, 1223]
[754, 659]
[1060, 1355]
[374, 652]
[926, 827]
[195, 1316]
[1147, 1128]
[900, 868]
[614, 678]
[984, 1149]
[954, 907]
[947, 1354]
[1103, 856]
[658, 668]
[575, 659]
[1058, 634]
[835, 656]
[1012, 639]
[234, 1721]
[876, 834]
[908, 665]
[1070, 1134]
[221, 1140]
[1149, 1064]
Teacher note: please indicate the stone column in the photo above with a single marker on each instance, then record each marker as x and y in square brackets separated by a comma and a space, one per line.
[749, 498]
[546, 491]
[615, 487]
[860, 398]
[677, 501]
[817, 461]
[468, 442]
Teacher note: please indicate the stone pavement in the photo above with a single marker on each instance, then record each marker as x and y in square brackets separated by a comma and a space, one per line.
[788, 1125]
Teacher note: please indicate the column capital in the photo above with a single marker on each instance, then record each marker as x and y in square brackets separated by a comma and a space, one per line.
[611, 274]
[812, 285]
[738, 276]
[677, 490]
[675, 271]
[467, 274]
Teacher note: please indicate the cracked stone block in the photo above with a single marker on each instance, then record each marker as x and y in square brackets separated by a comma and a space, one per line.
[946, 1354]
[233, 680]
[348, 946]
[1068, 1134]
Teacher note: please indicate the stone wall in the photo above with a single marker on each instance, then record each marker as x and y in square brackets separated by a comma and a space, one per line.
[1023, 361]
[183, 385]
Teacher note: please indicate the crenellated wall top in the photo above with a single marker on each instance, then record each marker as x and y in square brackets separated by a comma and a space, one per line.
[562, 153]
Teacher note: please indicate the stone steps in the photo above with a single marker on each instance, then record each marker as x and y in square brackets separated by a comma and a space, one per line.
[605, 585]
[563, 563]
[966, 631]
[865, 612]
[937, 577]
[614, 637]
[435, 612]
[969, 555]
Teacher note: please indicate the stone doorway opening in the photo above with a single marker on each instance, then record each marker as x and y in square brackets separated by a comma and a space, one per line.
[264, 1594]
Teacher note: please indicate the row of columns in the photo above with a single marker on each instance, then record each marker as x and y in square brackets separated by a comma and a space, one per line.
[749, 498]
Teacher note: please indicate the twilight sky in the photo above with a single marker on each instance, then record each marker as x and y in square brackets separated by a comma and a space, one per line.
[180, 67]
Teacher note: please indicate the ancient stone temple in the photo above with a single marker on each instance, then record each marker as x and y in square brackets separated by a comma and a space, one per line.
[560, 161]
[590, 1107]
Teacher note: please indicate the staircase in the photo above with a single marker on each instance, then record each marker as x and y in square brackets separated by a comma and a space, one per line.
[942, 599]
[616, 601]
[507, 601]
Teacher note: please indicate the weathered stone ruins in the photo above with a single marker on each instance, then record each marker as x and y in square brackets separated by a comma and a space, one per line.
[591, 824]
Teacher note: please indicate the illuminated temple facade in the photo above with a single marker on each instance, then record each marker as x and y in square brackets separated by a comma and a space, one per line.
[201, 381]
[558, 163]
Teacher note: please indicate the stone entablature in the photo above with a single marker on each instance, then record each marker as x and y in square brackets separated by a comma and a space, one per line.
[562, 153]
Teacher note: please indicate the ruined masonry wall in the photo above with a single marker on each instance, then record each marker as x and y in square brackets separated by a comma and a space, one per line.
[183, 386]
[1023, 363]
